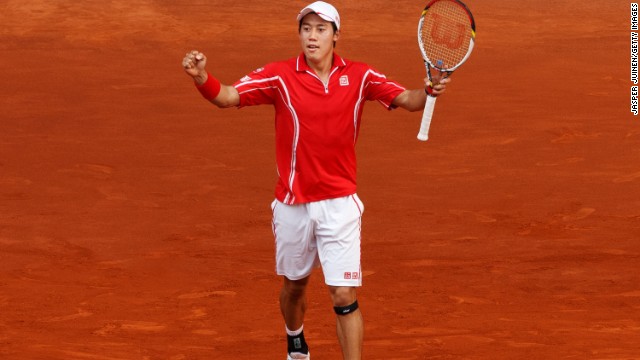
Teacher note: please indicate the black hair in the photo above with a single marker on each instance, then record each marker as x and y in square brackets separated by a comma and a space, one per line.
[333, 25]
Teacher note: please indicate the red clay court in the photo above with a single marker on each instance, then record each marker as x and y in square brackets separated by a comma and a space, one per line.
[135, 220]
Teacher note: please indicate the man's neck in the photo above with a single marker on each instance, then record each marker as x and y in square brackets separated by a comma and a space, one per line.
[322, 68]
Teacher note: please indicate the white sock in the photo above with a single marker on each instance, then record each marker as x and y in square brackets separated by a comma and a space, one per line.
[294, 333]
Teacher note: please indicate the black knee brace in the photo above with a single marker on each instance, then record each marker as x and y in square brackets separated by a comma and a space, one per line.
[346, 310]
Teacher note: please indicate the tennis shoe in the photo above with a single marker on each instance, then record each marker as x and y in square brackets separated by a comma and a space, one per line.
[298, 356]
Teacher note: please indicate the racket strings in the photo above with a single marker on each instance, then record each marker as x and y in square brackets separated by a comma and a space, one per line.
[446, 34]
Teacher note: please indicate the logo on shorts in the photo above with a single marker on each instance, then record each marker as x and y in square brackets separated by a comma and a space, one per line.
[352, 275]
[344, 80]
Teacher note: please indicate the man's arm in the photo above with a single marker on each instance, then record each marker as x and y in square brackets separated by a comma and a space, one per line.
[414, 100]
[223, 96]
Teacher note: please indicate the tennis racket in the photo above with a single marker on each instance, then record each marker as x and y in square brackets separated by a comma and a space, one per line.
[446, 35]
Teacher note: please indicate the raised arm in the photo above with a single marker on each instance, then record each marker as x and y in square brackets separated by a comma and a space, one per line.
[221, 95]
[414, 100]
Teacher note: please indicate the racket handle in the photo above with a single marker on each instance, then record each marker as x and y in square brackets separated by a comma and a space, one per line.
[423, 135]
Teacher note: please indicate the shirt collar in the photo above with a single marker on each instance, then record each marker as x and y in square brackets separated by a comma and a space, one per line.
[301, 63]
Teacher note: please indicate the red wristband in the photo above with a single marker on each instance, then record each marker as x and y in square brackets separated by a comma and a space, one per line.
[210, 89]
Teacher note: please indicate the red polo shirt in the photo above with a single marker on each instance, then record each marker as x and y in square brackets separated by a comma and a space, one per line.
[317, 125]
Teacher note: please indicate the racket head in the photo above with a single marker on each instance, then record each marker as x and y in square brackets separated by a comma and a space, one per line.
[446, 34]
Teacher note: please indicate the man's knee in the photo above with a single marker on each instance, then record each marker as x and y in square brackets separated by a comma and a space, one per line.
[295, 288]
[342, 295]
[344, 299]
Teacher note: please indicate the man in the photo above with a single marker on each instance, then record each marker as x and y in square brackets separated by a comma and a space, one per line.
[318, 97]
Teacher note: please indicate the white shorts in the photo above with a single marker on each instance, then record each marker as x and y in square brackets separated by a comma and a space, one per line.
[323, 232]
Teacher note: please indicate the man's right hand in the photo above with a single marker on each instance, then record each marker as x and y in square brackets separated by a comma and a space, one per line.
[194, 63]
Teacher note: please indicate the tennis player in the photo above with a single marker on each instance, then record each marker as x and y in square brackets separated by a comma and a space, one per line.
[318, 98]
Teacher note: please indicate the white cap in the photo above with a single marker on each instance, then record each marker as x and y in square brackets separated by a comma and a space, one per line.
[324, 10]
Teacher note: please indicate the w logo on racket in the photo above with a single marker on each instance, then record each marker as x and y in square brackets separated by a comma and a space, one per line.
[448, 33]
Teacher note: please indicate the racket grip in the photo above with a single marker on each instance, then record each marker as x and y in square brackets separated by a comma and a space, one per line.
[423, 134]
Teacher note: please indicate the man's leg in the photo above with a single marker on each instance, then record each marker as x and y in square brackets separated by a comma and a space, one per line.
[349, 323]
[293, 304]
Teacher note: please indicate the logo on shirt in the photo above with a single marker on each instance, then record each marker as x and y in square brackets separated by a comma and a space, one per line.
[344, 80]
[258, 70]
[246, 78]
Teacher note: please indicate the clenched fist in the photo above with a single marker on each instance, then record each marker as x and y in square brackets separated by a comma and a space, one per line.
[194, 64]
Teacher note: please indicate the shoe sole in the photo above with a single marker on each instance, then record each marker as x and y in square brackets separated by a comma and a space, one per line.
[307, 358]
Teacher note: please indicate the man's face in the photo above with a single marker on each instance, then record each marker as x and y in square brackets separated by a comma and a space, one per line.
[317, 37]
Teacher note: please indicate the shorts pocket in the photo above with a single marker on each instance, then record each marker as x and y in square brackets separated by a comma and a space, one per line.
[359, 203]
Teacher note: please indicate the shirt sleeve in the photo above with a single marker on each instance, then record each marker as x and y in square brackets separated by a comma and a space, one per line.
[257, 87]
[379, 88]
